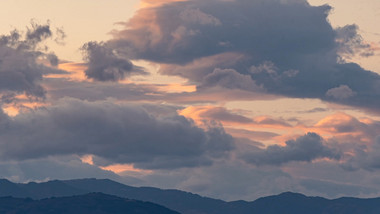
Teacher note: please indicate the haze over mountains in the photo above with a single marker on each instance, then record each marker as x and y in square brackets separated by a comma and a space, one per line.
[82, 191]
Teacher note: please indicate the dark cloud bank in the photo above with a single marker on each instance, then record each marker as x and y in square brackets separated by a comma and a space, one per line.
[128, 134]
[305, 148]
[281, 47]
[113, 133]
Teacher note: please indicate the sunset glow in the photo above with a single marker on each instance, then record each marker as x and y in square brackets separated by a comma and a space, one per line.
[231, 99]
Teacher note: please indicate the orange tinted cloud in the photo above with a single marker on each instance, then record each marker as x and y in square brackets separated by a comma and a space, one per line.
[340, 126]
[233, 117]
[116, 168]
[120, 168]
[176, 88]
[23, 103]
[201, 113]
[11, 110]
[76, 71]
[263, 128]
[144, 21]
[333, 121]
[347, 128]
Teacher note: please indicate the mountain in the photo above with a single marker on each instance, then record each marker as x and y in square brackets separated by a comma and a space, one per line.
[294, 203]
[188, 203]
[92, 203]
[184, 202]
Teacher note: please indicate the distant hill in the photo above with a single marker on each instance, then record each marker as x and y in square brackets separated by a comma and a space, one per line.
[188, 203]
[92, 203]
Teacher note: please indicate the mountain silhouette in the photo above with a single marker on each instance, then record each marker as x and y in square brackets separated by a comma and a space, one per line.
[189, 203]
[92, 203]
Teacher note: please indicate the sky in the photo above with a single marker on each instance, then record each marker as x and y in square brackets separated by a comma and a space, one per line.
[234, 99]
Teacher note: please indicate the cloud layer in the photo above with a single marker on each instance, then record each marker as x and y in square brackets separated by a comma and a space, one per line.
[114, 134]
[286, 47]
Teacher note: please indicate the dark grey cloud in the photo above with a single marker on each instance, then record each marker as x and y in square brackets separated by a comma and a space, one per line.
[305, 148]
[19, 73]
[114, 134]
[254, 20]
[37, 33]
[286, 47]
[19, 70]
[368, 158]
[105, 65]
[53, 59]
[364, 157]
[351, 42]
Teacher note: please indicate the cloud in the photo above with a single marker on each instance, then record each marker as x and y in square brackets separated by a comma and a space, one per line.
[346, 128]
[232, 180]
[351, 43]
[197, 69]
[341, 92]
[226, 116]
[105, 65]
[314, 110]
[201, 113]
[229, 78]
[305, 148]
[364, 157]
[20, 71]
[196, 16]
[272, 122]
[253, 36]
[373, 156]
[93, 91]
[37, 34]
[64, 167]
[113, 134]
[224, 180]
[223, 114]
[257, 135]
[286, 47]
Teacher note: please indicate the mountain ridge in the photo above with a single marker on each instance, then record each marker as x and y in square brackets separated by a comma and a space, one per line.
[94, 203]
[189, 203]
